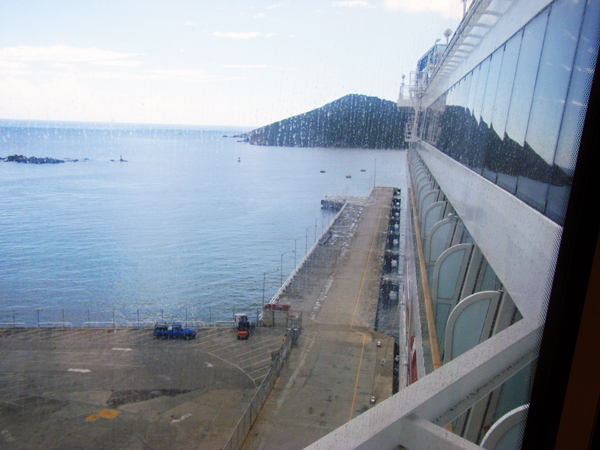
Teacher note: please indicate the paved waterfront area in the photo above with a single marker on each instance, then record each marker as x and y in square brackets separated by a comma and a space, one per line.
[336, 368]
[123, 389]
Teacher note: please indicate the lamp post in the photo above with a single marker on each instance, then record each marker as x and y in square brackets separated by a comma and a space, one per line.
[306, 243]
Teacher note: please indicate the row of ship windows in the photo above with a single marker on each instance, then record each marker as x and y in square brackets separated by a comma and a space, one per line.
[516, 118]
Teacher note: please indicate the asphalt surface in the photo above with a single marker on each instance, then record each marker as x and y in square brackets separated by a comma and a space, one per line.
[337, 368]
[123, 389]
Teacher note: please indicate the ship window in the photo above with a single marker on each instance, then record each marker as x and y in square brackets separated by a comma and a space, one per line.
[527, 67]
[505, 85]
[556, 66]
[575, 109]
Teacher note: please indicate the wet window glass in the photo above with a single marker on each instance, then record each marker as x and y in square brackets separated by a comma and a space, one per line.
[499, 161]
[575, 108]
[556, 66]
[488, 108]
[527, 67]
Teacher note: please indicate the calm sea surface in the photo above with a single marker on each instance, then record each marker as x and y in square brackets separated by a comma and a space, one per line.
[191, 220]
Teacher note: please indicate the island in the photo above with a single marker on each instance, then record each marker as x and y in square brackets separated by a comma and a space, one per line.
[353, 121]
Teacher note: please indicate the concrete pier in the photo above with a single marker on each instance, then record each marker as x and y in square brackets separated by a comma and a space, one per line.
[337, 368]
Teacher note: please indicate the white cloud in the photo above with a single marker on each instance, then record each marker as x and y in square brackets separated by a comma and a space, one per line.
[271, 35]
[60, 53]
[259, 16]
[353, 4]
[118, 63]
[189, 23]
[448, 9]
[248, 66]
[178, 75]
[276, 5]
[12, 68]
[242, 35]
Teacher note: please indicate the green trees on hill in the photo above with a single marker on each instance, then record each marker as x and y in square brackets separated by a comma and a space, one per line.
[353, 121]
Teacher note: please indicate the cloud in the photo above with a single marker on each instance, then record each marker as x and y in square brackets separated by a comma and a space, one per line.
[247, 66]
[118, 63]
[242, 35]
[448, 9]
[189, 23]
[353, 4]
[276, 5]
[271, 35]
[61, 53]
[259, 16]
[178, 75]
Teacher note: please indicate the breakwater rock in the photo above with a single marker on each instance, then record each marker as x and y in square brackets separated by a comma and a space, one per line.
[32, 160]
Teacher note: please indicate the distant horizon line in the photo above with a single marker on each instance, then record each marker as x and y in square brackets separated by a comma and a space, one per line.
[21, 123]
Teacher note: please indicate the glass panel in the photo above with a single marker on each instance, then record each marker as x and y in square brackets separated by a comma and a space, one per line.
[556, 66]
[448, 274]
[514, 392]
[428, 200]
[527, 67]
[498, 161]
[505, 85]
[487, 110]
[489, 279]
[442, 313]
[439, 238]
[553, 77]
[433, 217]
[473, 91]
[481, 86]
[575, 109]
[511, 439]
[468, 327]
[492, 85]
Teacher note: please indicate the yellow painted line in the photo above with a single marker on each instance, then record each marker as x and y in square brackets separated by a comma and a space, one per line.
[358, 375]
[356, 307]
[260, 413]
[104, 414]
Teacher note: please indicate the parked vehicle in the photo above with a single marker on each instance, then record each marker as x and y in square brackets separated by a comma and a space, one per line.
[177, 330]
[243, 327]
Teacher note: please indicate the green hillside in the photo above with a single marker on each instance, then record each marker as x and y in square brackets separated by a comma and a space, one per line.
[353, 121]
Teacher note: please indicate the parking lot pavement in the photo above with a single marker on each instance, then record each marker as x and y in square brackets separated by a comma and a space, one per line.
[123, 389]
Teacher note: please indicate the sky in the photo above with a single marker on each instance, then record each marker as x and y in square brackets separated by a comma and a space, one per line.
[232, 63]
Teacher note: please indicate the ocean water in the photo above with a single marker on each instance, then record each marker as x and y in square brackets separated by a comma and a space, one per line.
[191, 220]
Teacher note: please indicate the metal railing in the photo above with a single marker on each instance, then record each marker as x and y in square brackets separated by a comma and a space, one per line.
[120, 317]
[243, 427]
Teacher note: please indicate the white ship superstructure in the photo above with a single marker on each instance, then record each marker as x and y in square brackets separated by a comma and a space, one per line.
[496, 117]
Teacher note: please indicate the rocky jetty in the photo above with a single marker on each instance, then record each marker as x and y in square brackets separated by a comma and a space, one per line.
[32, 160]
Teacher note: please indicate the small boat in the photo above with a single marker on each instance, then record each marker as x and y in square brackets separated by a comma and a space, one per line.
[322, 171]
[348, 176]
[239, 159]
[363, 170]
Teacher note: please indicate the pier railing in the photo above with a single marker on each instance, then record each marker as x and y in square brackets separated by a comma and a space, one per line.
[121, 317]
[240, 433]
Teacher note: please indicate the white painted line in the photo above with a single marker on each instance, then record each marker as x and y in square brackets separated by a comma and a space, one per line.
[119, 349]
[79, 370]
[185, 416]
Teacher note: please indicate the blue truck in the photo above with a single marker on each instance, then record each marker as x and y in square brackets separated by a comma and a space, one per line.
[177, 330]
